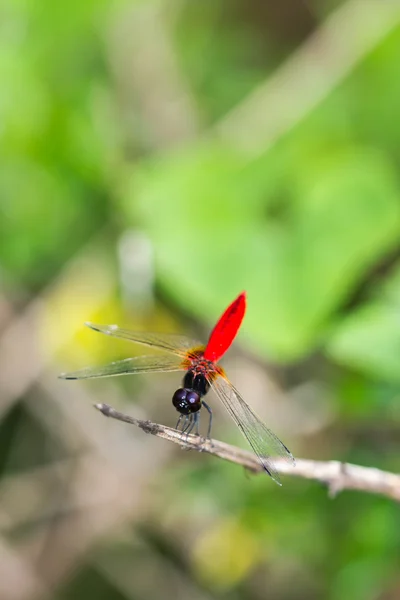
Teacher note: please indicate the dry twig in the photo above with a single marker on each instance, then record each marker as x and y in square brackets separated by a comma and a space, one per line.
[336, 475]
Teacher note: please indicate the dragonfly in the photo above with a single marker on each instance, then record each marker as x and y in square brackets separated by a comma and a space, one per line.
[201, 373]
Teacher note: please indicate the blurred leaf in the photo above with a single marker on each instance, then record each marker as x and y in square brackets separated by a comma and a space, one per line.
[359, 580]
[224, 554]
[215, 235]
[59, 143]
[373, 97]
[369, 338]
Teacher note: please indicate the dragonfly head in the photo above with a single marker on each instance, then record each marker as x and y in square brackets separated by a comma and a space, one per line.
[186, 401]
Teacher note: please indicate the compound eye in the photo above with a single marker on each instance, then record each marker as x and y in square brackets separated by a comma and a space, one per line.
[179, 397]
[192, 398]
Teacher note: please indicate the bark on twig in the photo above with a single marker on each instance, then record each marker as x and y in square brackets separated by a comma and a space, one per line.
[337, 476]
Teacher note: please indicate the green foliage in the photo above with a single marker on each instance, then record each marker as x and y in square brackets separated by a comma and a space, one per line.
[57, 135]
[369, 338]
[310, 228]
[299, 257]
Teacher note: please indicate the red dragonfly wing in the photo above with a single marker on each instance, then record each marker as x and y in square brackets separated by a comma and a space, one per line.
[226, 329]
[264, 443]
[169, 342]
[129, 366]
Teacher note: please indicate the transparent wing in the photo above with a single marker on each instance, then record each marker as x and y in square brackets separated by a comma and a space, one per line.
[265, 444]
[176, 344]
[129, 366]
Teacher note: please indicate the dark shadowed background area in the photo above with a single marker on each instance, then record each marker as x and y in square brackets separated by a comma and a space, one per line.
[157, 158]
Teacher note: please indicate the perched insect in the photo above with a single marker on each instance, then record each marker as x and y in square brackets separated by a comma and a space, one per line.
[201, 372]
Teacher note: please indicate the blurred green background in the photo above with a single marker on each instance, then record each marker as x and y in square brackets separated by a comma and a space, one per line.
[157, 158]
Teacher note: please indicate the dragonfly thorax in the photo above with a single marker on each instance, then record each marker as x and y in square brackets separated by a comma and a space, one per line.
[197, 382]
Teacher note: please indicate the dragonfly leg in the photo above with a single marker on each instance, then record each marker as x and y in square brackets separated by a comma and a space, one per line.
[185, 423]
[189, 424]
[196, 422]
[178, 422]
[186, 429]
[208, 409]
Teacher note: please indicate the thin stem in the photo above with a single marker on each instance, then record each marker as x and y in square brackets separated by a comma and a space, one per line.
[337, 476]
